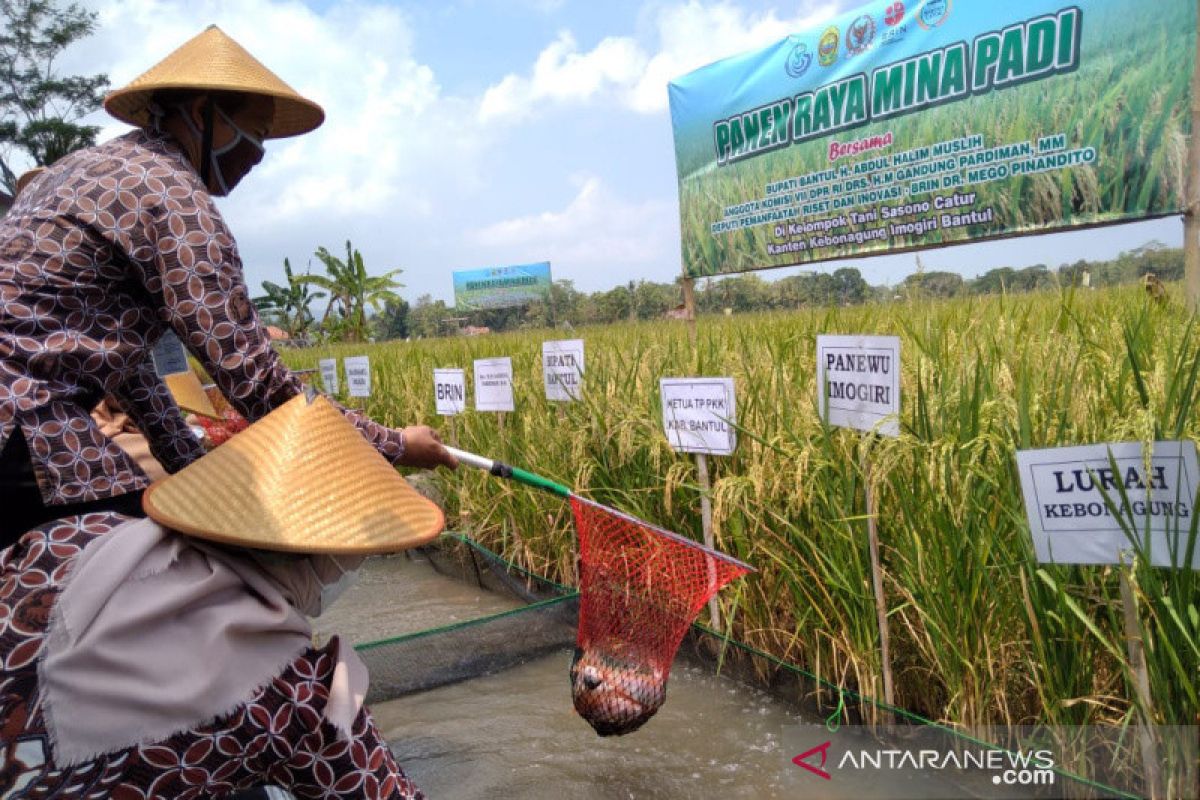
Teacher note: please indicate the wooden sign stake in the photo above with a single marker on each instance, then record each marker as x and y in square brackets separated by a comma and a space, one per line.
[1137, 663]
[877, 581]
[706, 521]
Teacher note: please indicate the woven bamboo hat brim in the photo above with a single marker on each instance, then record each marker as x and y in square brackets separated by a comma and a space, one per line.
[189, 394]
[213, 61]
[302, 479]
[28, 176]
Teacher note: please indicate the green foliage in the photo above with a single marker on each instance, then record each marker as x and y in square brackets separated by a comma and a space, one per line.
[352, 292]
[288, 306]
[38, 107]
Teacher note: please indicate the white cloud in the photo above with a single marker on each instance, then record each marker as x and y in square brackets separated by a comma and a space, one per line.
[386, 117]
[621, 69]
[595, 232]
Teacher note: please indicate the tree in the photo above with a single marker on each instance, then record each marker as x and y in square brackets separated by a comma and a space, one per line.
[288, 305]
[39, 108]
[392, 322]
[352, 290]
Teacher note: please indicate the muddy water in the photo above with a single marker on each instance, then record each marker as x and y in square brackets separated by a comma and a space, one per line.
[402, 594]
[515, 734]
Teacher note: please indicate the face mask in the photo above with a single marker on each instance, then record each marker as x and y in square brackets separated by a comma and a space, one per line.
[233, 159]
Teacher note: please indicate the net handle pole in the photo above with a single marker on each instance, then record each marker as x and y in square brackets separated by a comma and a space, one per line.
[502, 470]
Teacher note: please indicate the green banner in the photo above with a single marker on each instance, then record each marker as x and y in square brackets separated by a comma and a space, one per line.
[501, 287]
[901, 126]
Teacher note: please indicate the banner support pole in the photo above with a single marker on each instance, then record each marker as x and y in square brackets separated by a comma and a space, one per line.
[1191, 211]
[689, 302]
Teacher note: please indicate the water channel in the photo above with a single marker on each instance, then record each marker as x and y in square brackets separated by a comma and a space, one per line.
[515, 734]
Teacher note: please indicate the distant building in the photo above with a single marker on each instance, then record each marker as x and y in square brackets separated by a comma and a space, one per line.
[475, 330]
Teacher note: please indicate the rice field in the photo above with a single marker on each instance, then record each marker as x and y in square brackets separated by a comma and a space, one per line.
[981, 633]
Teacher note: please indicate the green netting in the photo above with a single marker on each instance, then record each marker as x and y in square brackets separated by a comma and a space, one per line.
[548, 623]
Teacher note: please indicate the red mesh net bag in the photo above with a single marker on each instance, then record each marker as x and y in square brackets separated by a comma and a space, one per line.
[640, 589]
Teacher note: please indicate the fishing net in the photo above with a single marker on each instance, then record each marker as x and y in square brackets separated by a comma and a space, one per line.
[640, 589]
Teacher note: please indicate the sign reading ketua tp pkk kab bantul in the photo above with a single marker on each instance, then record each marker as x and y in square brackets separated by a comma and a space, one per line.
[501, 287]
[699, 414]
[903, 125]
[858, 382]
[1065, 499]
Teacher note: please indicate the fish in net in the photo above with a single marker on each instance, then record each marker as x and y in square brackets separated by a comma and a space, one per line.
[641, 588]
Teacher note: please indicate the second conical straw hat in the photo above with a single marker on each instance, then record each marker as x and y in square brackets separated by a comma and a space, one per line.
[302, 479]
[215, 62]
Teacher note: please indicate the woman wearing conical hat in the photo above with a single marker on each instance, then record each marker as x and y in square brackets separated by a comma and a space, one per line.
[113, 245]
[171, 656]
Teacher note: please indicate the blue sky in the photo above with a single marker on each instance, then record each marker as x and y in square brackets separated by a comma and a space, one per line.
[477, 133]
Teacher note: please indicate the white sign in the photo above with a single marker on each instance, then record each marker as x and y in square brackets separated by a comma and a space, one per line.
[493, 384]
[169, 356]
[699, 414]
[329, 376]
[358, 376]
[858, 378]
[450, 391]
[1071, 523]
[562, 369]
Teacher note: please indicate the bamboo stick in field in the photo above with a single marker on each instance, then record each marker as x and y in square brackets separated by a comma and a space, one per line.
[1137, 663]
[706, 522]
[885, 656]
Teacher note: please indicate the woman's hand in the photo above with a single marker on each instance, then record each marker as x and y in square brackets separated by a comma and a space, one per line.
[423, 448]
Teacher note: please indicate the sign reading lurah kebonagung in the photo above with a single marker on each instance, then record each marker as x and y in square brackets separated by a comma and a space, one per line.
[905, 125]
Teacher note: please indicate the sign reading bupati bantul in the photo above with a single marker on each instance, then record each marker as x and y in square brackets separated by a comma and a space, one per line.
[904, 125]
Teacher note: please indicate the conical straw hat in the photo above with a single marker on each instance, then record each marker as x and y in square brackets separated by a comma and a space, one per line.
[27, 177]
[189, 394]
[302, 479]
[215, 62]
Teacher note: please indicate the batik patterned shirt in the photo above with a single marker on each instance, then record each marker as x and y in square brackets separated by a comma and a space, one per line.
[278, 736]
[102, 253]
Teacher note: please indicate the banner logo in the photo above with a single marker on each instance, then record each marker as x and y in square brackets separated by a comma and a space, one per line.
[933, 13]
[798, 61]
[894, 14]
[828, 46]
[860, 35]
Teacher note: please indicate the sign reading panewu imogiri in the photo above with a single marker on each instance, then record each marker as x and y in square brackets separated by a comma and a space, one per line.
[493, 384]
[329, 375]
[562, 369]
[858, 382]
[358, 376]
[450, 391]
[699, 414]
[169, 356]
[892, 127]
[1065, 490]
